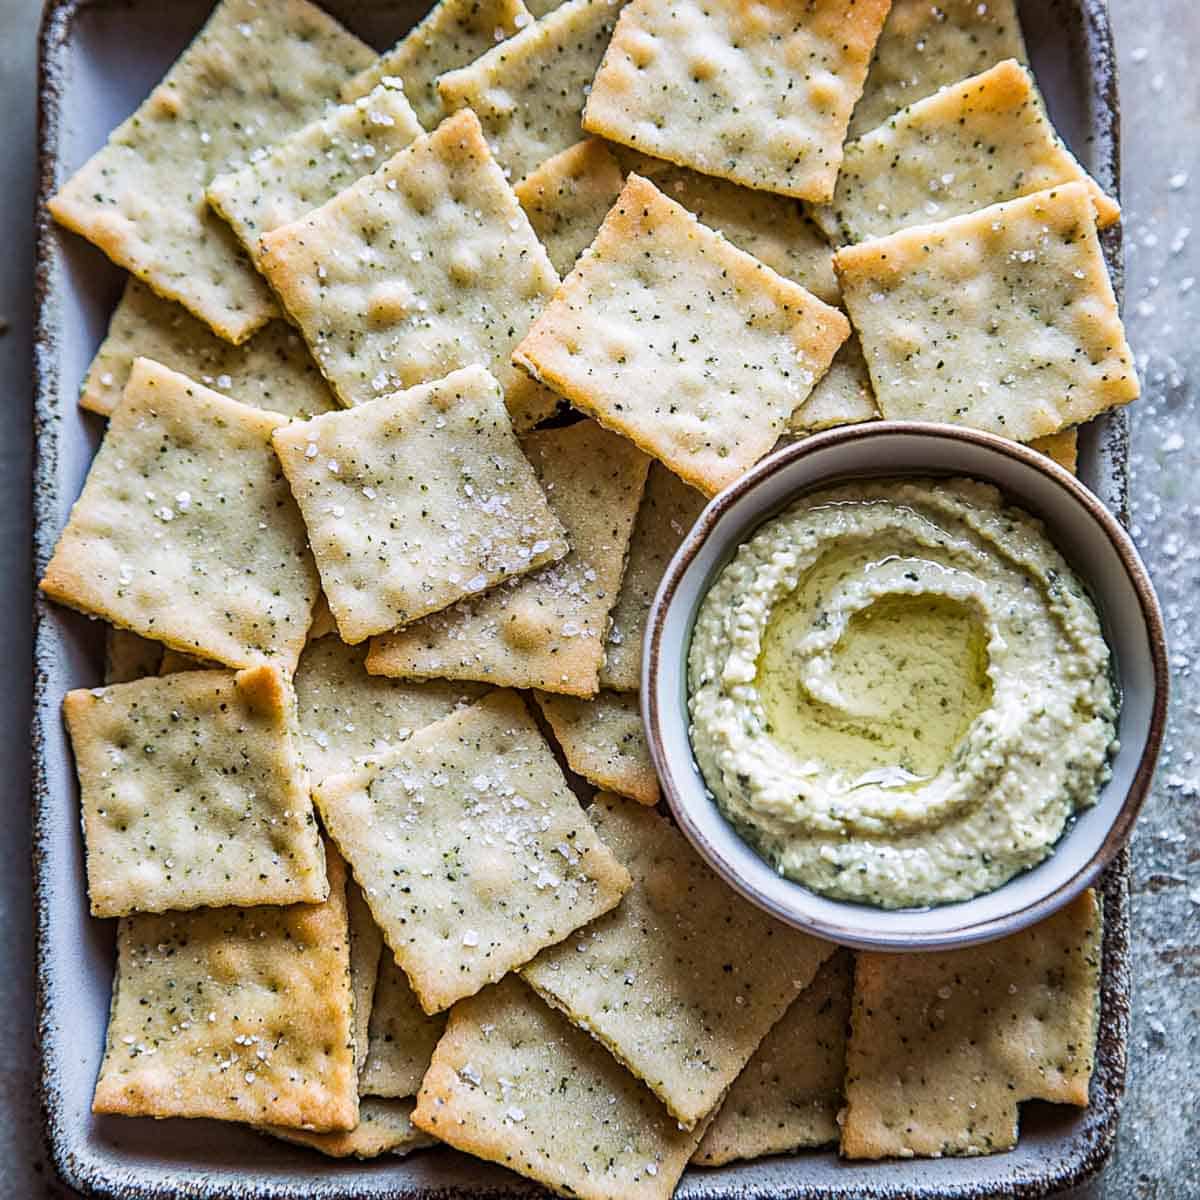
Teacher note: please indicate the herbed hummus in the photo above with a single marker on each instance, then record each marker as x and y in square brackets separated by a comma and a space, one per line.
[900, 693]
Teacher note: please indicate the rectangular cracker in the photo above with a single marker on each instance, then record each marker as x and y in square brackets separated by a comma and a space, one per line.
[472, 851]
[682, 981]
[758, 94]
[402, 1036]
[186, 532]
[384, 1127]
[366, 946]
[789, 1095]
[943, 1046]
[843, 395]
[1062, 447]
[638, 336]
[240, 1014]
[1004, 319]
[256, 71]
[193, 793]
[547, 629]
[515, 1083]
[604, 740]
[128, 656]
[416, 500]
[425, 266]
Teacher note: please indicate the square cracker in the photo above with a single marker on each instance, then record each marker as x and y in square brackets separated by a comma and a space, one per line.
[843, 395]
[788, 1096]
[545, 630]
[128, 656]
[639, 336]
[425, 266]
[472, 850]
[1004, 319]
[384, 1127]
[366, 946]
[416, 500]
[682, 981]
[604, 740]
[978, 142]
[402, 1036]
[186, 532]
[193, 793]
[515, 1083]
[759, 93]
[943, 1046]
[241, 1014]
[141, 197]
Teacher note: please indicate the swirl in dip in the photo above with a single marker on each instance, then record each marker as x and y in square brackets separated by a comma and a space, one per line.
[900, 693]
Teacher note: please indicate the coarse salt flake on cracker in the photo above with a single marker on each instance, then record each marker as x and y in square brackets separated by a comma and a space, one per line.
[402, 1036]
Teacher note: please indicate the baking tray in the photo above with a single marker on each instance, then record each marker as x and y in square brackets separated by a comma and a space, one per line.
[99, 58]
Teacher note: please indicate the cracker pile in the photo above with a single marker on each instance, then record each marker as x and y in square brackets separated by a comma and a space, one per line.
[426, 364]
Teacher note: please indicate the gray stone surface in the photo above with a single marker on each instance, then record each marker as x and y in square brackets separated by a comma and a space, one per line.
[1158, 1155]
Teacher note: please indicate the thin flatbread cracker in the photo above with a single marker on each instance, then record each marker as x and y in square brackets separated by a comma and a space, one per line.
[1003, 320]
[545, 630]
[173, 662]
[128, 657]
[515, 1083]
[186, 532]
[402, 1036]
[760, 94]
[256, 71]
[1062, 447]
[682, 981]
[843, 395]
[471, 849]
[943, 1046]
[240, 1014]
[384, 1127]
[366, 946]
[638, 336]
[425, 266]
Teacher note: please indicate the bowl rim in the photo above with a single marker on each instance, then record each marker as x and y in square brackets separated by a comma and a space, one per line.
[1118, 833]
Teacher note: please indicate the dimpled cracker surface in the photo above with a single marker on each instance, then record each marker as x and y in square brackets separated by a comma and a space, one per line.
[788, 1096]
[843, 395]
[1004, 319]
[943, 1046]
[682, 981]
[242, 1014]
[384, 1127]
[416, 500]
[756, 91]
[402, 1036]
[186, 532]
[258, 70]
[515, 1083]
[128, 656]
[639, 336]
[547, 629]
[472, 851]
[273, 370]
[193, 793]
[366, 944]
[425, 266]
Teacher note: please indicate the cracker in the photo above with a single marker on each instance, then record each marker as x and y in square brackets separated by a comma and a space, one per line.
[683, 980]
[425, 266]
[241, 1014]
[416, 500]
[1004, 319]
[546, 630]
[193, 793]
[322, 620]
[366, 945]
[978, 142]
[943, 1046]
[925, 46]
[402, 1036]
[529, 91]
[604, 741]
[172, 662]
[638, 336]
[186, 532]
[788, 1096]
[128, 656]
[384, 1127]
[141, 197]
[1062, 447]
[452, 34]
[472, 851]
[515, 1083]
[843, 395]
[758, 94]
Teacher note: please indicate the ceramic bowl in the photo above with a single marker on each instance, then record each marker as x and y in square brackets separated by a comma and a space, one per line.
[1092, 541]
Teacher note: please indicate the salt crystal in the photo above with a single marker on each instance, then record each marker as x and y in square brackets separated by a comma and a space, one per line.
[470, 938]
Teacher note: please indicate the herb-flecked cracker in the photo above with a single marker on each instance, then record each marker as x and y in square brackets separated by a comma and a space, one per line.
[193, 793]
[256, 71]
[760, 94]
[186, 532]
[471, 849]
[843, 395]
[515, 1083]
[943, 1046]
[366, 946]
[384, 1127]
[639, 336]
[1062, 447]
[128, 657]
[241, 1014]
[682, 981]
[545, 630]
[402, 1037]
[1004, 319]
